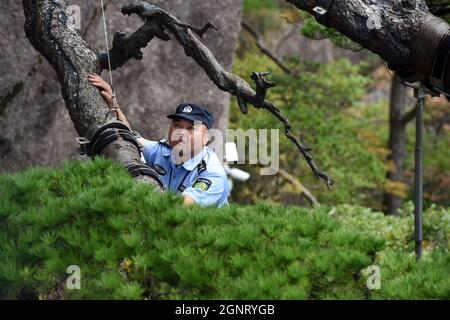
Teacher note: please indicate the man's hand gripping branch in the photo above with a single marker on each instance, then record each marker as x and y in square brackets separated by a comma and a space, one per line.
[107, 93]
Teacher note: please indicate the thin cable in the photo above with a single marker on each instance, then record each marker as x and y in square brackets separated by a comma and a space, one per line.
[115, 104]
[107, 46]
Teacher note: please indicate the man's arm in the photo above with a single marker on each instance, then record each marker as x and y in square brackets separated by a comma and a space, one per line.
[207, 189]
[107, 94]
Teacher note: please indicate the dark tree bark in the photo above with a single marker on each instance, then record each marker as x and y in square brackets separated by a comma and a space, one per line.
[71, 57]
[407, 39]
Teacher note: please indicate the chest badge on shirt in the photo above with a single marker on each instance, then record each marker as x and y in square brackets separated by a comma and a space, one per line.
[160, 170]
[202, 184]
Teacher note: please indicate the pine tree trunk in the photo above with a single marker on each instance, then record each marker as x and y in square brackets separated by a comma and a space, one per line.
[73, 59]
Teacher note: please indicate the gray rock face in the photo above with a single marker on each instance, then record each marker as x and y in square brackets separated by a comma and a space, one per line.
[35, 127]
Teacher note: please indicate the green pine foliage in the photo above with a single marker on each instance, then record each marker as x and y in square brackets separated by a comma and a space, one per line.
[251, 5]
[133, 243]
[398, 231]
[403, 278]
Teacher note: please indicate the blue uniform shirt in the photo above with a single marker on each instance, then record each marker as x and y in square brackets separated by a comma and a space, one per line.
[202, 177]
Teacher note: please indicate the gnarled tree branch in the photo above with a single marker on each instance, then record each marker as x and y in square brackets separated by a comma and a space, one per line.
[73, 59]
[128, 47]
[406, 34]
[156, 18]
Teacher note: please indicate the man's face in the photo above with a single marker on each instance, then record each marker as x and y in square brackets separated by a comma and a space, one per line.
[187, 138]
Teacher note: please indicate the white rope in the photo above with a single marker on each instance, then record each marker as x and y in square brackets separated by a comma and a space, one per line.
[107, 48]
[115, 104]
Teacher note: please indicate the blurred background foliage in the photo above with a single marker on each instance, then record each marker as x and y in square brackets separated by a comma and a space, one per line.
[339, 107]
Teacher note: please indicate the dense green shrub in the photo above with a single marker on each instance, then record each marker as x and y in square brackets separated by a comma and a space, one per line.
[131, 242]
[398, 231]
[403, 278]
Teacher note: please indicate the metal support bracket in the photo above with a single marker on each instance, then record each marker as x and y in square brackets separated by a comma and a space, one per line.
[320, 12]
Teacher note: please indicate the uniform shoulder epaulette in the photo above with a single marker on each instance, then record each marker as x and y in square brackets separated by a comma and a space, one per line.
[164, 142]
[201, 166]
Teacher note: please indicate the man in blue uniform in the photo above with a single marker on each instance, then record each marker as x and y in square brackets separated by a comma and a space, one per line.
[184, 162]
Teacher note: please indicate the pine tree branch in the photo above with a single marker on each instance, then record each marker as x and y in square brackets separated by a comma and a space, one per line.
[157, 19]
[403, 33]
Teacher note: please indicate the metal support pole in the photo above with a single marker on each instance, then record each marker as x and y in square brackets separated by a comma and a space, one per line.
[418, 183]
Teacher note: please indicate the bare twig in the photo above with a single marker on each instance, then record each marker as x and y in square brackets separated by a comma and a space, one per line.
[298, 186]
[262, 46]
